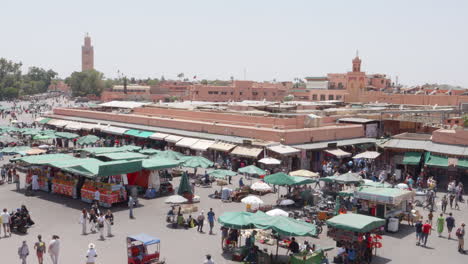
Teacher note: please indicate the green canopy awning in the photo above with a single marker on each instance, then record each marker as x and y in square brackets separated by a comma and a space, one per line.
[45, 159]
[251, 169]
[66, 135]
[18, 150]
[119, 167]
[132, 132]
[159, 163]
[150, 151]
[103, 150]
[463, 163]
[412, 158]
[73, 162]
[383, 195]
[123, 156]
[328, 179]
[435, 160]
[87, 140]
[222, 173]
[144, 134]
[197, 162]
[355, 222]
[236, 220]
[44, 137]
[281, 178]
[170, 154]
[45, 120]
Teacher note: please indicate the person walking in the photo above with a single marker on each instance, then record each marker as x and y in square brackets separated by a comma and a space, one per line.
[456, 204]
[211, 219]
[6, 222]
[83, 219]
[461, 238]
[100, 225]
[54, 249]
[23, 252]
[418, 226]
[451, 198]
[200, 220]
[208, 260]
[426, 231]
[91, 255]
[40, 248]
[444, 203]
[17, 181]
[131, 204]
[109, 222]
[430, 216]
[92, 218]
[440, 224]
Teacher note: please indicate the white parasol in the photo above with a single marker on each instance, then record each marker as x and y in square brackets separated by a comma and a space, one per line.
[252, 200]
[176, 199]
[270, 161]
[287, 202]
[402, 186]
[260, 186]
[277, 212]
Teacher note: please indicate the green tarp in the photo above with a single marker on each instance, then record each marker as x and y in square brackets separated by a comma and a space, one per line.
[412, 158]
[123, 156]
[328, 179]
[45, 120]
[222, 173]
[348, 178]
[73, 162]
[383, 195]
[281, 178]
[132, 132]
[144, 134]
[236, 220]
[355, 222]
[45, 159]
[196, 162]
[103, 150]
[251, 169]
[119, 167]
[435, 160]
[18, 150]
[370, 183]
[184, 186]
[170, 154]
[150, 151]
[463, 163]
[66, 135]
[44, 137]
[159, 164]
[87, 140]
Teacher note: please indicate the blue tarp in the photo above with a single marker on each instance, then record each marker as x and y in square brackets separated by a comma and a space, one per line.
[145, 239]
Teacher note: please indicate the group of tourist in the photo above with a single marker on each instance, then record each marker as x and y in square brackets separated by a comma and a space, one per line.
[97, 221]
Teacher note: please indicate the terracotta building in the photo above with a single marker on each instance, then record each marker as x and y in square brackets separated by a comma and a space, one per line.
[87, 54]
[59, 86]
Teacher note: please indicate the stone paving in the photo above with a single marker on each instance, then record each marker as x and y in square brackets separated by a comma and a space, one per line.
[59, 215]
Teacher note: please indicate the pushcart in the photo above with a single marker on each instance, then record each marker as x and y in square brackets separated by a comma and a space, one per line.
[138, 252]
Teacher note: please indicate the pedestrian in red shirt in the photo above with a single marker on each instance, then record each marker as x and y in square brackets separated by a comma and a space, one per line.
[426, 231]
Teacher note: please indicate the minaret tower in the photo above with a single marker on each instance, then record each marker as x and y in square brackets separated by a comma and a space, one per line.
[87, 54]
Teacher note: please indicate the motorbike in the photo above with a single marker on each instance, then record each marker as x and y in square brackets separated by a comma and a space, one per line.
[19, 223]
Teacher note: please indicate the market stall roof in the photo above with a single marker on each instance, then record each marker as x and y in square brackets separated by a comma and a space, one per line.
[338, 153]
[355, 222]
[102, 150]
[435, 160]
[236, 220]
[383, 195]
[202, 145]
[173, 138]
[304, 173]
[339, 143]
[45, 159]
[159, 164]
[144, 134]
[87, 140]
[132, 132]
[287, 226]
[66, 135]
[270, 161]
[186, 142]
[367, 155]
[370, 183]
[35, 151]
[246, 152]
[150, 151]
[44, 136]
[462, 163]
[412, 158]
[196, 162]
[105, 169]
[7, 139]
[114, 130]
[281, 178]
[123, 156]
[283, 149]
[407, 144]
[57, 123]
[252, 169]
[73, 162]
[222, 173]
[75, 126]
[348, 178]
[158, 136]
[123, 104]
[170, 154]
[18, 149]
[45, 120]
[328, 178]
[89, 126]
[145, 239]
[222, 146]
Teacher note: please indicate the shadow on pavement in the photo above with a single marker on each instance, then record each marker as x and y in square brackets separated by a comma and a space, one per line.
[405, 230]
[380, 260]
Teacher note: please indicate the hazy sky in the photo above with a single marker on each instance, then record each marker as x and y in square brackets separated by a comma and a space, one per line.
[417, 40]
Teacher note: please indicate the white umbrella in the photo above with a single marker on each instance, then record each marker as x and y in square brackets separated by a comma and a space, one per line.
[287, 202]
[270, 161]
[277, 212]
[44, 146]
[260, 186]
[402, 186]
[252, 200]
[176, 199]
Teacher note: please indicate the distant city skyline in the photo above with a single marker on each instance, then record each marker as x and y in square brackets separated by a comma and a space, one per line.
[418, 41]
